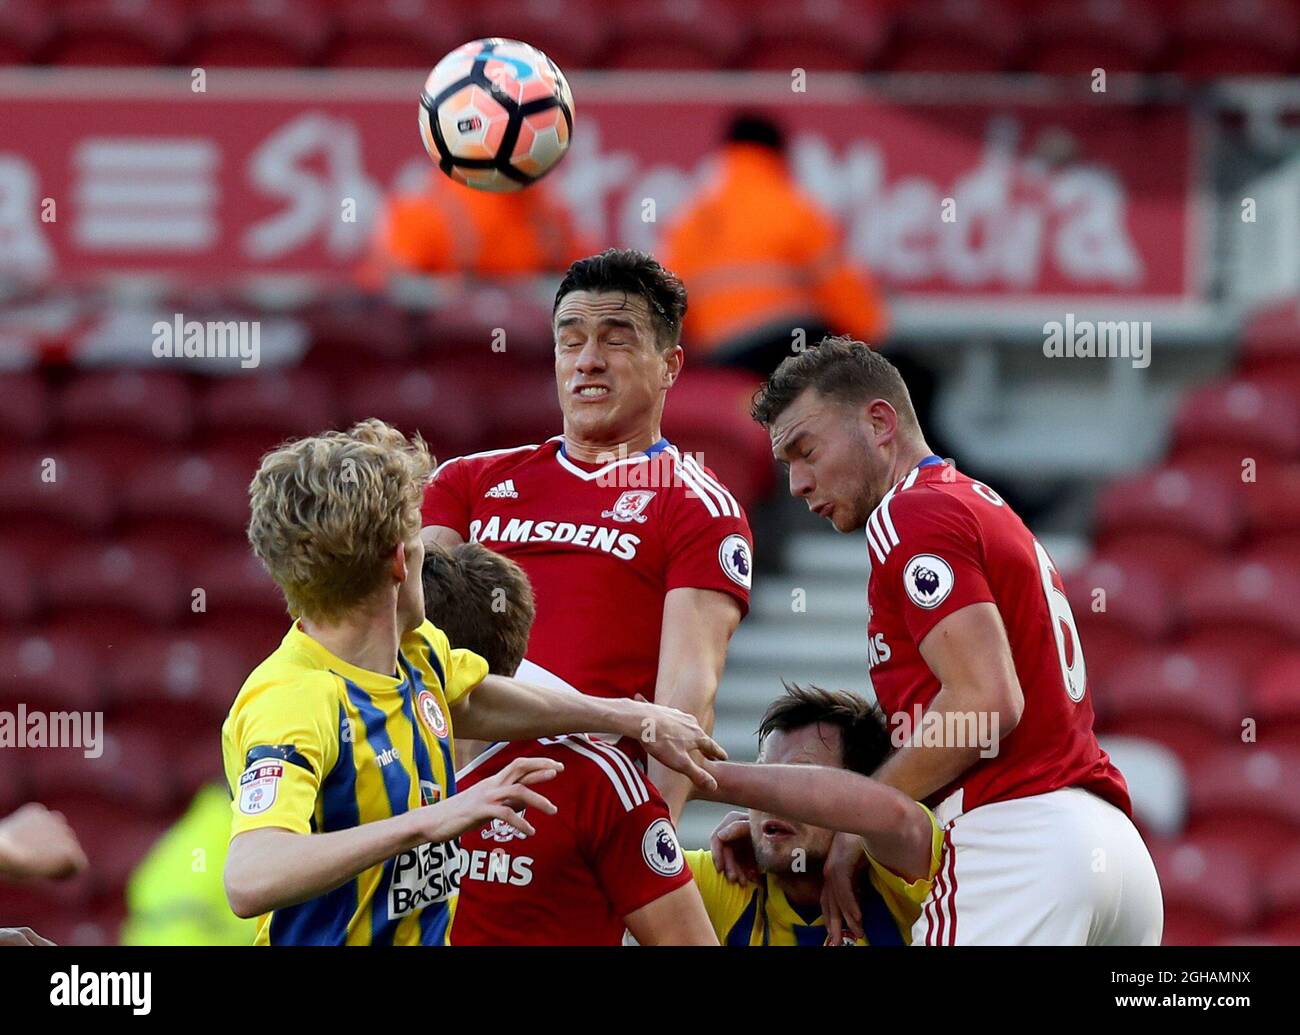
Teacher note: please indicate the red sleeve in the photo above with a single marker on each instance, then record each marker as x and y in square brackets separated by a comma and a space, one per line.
[709, 543]
[634, 850]
[939, 560]
[447, 497]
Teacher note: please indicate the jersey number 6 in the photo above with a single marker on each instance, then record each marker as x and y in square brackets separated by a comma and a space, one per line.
[1074, 672]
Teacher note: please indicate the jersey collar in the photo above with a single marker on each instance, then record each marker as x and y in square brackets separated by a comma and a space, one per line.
[572, 467]
[362, 677]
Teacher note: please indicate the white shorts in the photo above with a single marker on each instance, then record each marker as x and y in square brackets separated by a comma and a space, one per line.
[1063, 868]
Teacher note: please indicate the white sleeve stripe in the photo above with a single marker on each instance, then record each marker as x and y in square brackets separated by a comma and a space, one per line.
[608, 770]
[699, 491]
[729, 501]
[871, 541]
[629, 770]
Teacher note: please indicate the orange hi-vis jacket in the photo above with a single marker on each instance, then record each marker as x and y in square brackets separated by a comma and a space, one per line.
[754, 250]
[450, 228]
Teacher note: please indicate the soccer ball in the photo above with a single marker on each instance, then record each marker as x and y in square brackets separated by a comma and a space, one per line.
[496, 114]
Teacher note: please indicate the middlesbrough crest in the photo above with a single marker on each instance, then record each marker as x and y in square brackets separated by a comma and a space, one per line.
[630, 505]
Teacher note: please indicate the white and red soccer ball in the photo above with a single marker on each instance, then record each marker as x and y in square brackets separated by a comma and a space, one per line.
[496, 114]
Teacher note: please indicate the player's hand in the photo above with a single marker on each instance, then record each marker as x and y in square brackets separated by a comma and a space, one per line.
[503, 796]
[35, 842]
[671, 736]
[733, 849]
[21, 936]
[840, 908]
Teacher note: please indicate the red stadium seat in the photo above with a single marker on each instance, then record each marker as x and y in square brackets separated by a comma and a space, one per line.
[1273, 507]
[111, 588]
[396, 33]
[1191, 701]
[251, 34]
[26, 29]
[816, 36]
[1132, 611]
[667, 34]
[25, 414]
[259, 412]
[122, 32]
[1072, 37]
[13, 779]
[1209, 890]
[1259, 38]
[348, 334]
[49, 669]
[51, 496]
[522, 405]
[153, 403]
[955, 36]
[242, 604]
[200, 762]
[181, 503]
[1247, 794]
[133, 768]
[1282, 896]
[1270, 343]
[1176, 518]
[479, 319]
[197, 671]
[446, 405]
[572, 34]
[19, 597]
[1231, 420]
[1247, 608]
[1276, 701]
[115, 832]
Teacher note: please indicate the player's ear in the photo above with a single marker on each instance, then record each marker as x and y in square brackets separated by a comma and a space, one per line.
[398, 560]
[674, 360]
[880, 419]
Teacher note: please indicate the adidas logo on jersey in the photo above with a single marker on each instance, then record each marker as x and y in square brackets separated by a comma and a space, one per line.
[502, 491]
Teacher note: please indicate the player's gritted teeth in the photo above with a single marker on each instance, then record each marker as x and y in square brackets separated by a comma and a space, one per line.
[592, 392]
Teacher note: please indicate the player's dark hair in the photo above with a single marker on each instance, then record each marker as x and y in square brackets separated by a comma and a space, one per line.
[862, 726]
[633, 273]
[752, 128]
[482, 601]
[839, 368]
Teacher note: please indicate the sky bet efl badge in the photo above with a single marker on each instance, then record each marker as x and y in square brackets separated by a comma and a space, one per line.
[432, 715]
[257, 787]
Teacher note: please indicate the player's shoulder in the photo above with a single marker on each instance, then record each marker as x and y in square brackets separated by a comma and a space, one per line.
[694, 490]
[604, 769]
[924, 501]
[495, 461]
[288, 681]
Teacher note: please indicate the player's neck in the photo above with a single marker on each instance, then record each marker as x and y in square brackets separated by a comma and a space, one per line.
[908, 457]
[367, 640]
[800, 889]
[591, 452]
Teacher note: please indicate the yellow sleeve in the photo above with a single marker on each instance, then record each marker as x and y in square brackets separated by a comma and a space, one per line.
[723, 901]
[279, 742]
[916, 891]
[464, 669]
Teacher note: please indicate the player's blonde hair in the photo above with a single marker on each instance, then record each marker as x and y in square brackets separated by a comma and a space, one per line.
[328, 511]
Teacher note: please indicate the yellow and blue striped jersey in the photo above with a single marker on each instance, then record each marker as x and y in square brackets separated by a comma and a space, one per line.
[313, 744]
[745, 914]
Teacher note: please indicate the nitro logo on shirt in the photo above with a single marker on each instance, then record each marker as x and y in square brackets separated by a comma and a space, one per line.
[927, 580]
[257, 787]
[660, 849]
[518, 530]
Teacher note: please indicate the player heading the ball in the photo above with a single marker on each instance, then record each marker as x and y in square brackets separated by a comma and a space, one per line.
[338, 748]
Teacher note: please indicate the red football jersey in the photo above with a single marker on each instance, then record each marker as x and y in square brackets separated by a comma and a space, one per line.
[602, 546]
[609, 850]
[938, 542]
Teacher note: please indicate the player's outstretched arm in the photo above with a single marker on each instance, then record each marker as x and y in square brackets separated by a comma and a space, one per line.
[678, 918]
[697, 626]
[894, 828]
[507, 709]
[271, 868]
